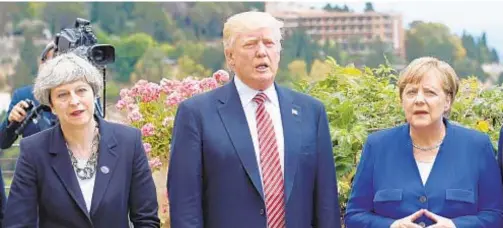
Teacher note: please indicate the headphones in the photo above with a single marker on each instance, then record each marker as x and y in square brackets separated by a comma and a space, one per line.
[49, 47]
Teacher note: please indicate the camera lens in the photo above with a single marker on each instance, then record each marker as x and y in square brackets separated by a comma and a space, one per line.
[102, 54]
[98, 55]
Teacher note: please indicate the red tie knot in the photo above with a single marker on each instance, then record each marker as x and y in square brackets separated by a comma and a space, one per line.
[260, 98]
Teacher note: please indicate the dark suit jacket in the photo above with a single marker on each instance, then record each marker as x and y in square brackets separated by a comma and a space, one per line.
[464, 184]
[45, 178]
[214, 181]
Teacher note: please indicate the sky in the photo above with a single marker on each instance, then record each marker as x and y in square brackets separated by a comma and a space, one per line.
[474, 17]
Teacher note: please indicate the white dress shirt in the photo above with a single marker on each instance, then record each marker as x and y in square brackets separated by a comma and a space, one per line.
[246, 95]
[425, 169]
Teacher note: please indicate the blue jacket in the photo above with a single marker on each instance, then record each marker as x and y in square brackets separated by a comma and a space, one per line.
[464, 184]
[45, 189]
[45, 121]
[214, 180]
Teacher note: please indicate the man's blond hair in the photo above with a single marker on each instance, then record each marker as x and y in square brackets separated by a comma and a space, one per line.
[249, 21]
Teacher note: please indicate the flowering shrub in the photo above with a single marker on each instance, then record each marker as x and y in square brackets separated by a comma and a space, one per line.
[151, 107]
[362, 101]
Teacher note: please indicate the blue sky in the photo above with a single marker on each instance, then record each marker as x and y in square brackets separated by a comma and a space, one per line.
[473, 16]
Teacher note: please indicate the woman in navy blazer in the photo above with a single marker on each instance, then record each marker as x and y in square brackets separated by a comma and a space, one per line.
[85, 171]
[427, 172]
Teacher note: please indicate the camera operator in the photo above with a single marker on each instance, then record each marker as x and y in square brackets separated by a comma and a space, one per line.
[79, 40]
[21, 102]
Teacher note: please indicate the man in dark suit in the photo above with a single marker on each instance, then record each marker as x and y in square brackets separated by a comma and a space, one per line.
[252, 153]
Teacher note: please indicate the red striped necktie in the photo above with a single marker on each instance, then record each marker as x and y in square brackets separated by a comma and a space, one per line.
[272, 176]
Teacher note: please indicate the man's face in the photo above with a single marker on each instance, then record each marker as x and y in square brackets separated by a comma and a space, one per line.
[254, 56]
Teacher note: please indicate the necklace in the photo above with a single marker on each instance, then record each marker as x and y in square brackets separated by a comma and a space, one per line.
[89, 169]
[427, 148]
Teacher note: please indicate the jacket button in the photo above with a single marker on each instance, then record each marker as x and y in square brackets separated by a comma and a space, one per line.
[422, 224]
[422, 199]
[262, 212]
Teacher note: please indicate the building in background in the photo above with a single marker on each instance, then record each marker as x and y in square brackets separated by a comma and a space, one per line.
[355, 32]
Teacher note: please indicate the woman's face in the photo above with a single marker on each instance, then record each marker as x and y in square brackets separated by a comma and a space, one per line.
[73, 103]
[425, 103]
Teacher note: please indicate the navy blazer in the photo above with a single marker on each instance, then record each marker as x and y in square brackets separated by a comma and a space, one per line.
[214, 180]
[464, 184]
[45, 190]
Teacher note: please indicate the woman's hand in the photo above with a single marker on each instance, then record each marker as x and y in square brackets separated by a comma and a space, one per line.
[440, 222]
[408, 222]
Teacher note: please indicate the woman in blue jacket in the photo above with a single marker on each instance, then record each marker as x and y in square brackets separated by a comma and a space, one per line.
[427, 172]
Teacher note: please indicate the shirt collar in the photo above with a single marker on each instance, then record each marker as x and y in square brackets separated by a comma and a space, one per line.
[246, 94]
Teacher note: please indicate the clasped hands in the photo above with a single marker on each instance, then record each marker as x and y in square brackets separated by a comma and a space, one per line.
[408, 222]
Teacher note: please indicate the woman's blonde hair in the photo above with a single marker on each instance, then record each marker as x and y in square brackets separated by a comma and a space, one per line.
[420, 67]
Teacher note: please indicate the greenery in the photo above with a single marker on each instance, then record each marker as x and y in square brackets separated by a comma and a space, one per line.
[361, 101]
[184, 38]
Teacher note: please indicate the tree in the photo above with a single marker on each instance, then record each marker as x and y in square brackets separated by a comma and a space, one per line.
[150, 18]
[369, 7]
[327, 7]
[379, 53]
[319, 71]
[188, 67]
[27, 66]
[297, 70]
[112, 17]
[213, 58]
[299, 46]
[469, 45]
[494, 56]
[433, 39]
[152, 66]
[61, 15]
[468, 67]
[128, 51]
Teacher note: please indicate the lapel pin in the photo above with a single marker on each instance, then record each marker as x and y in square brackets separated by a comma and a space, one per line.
[104, 169]
[294, 112]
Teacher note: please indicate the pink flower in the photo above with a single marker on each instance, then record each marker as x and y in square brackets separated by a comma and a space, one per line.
[221, 76]
[147, 147]
[121, 104]
[135, 116]
[124, 92]
[148, 129]
[150, 92]
[132, 106]
[173, 99]
[208, 83]
[154, 163]
[169, 86]
[190, 87]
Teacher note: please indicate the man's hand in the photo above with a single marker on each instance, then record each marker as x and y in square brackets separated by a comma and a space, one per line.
[440, 222]
[408, 222]
[17, 114]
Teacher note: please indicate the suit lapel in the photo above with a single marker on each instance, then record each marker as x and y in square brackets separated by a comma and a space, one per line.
[291, 121]
[441, 166]
[107, 159]
[232, 115]
[64, 170]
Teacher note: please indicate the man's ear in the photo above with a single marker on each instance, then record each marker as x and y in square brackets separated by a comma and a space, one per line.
[229, 57]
